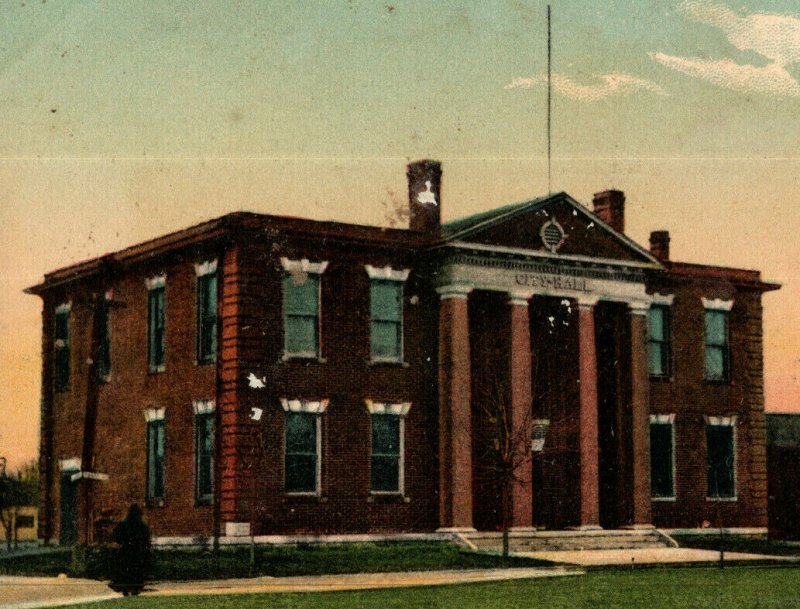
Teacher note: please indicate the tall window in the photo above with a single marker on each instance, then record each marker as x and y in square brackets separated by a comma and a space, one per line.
[386, 313]
[717, 353]
[721, 447]
[301, 307]
[156, 325]
[61, 347]
[104, 363]
[204, 451]
[155, 456]
[388, 446]
[658, 340]
[662, 457]
[303, 446]
[206, 312]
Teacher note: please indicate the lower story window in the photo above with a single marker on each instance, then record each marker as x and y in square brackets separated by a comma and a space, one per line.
[303, 445]
[155, 458]
[721, 447]
[387, 439]
[662, 456]
[204, 456]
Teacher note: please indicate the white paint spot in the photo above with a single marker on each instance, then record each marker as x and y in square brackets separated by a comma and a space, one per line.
[256, 413]
[551, 319]
[414, 299]
[567, 304]
[574, 212]
[591, 225]
[427, 197]
[255, 382]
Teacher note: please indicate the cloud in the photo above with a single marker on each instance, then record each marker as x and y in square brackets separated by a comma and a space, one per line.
[772, 79]
[611, 84]
[775, 37]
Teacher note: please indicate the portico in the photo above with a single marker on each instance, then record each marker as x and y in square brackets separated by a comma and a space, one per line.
[523, 280]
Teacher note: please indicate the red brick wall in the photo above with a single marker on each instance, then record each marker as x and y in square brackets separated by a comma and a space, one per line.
[690, 397]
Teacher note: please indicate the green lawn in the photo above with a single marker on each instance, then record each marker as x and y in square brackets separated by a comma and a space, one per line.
[706, 588]
[276, 561]
[738, 543]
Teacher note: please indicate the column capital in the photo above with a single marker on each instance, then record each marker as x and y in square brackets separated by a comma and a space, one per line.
[587, 301]
[520, 298]
[454, 290]
[639, 307]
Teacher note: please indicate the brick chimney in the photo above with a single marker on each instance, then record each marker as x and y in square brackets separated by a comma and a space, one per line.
[609, 206]
[425, 207]
[659, 244]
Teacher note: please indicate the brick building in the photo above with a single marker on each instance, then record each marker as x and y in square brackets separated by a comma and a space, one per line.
[267, 375]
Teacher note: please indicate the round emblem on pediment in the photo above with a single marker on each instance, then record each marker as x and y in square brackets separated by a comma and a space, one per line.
[552, 235]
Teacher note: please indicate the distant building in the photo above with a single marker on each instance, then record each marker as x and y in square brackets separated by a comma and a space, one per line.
[783, 459]
[24, 525]
[268, 375]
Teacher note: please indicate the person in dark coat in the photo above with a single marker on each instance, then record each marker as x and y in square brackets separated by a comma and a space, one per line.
[133, 557]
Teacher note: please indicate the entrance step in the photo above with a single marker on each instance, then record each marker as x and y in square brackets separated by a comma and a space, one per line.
[543, 541]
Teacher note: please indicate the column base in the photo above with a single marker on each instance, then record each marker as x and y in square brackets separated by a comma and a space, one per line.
[460, 530]
[638, 527]
[522, 530]
[586, 527]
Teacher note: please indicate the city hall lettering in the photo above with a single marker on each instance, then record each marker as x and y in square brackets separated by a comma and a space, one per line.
[554, 282]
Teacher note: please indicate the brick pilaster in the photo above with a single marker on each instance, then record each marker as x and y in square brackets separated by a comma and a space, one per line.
[640, 417]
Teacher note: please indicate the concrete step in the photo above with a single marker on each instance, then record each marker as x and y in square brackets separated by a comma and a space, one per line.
[541, 541]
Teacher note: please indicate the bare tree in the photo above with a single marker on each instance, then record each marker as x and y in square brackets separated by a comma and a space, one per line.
[506, 456]
[17, 492]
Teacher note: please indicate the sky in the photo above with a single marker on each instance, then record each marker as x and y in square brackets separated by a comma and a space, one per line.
[126, 120]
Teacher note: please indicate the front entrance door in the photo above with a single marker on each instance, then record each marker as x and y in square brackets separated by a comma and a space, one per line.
[69, 512]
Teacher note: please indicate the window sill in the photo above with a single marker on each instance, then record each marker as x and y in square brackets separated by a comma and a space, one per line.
[389, 363]
[664, 499]
[303, 358]
[387, 497]
[156, 369]
[718, 382]
[204, 502]
[299, 497]
[723, 499]
[156, 503]
[661, 378]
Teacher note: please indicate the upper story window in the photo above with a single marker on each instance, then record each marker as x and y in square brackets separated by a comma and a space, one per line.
[386, 313]
[721, 452]
[156, 456]
[387, 447]
[61, 347]
[717, 348]
[104, 363]
[301, 307]
[662, 456]
[658, 340]
[303, 446]
[156, 323]
[204, 450]
[206, 311]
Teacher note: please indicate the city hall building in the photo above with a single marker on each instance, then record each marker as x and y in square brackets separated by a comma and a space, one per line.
[258, 375]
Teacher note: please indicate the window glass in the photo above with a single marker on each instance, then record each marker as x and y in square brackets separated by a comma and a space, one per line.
[658, 348]
[716, 345]
[62, 350]
[155, 461]
[155, 328]
[661, 459]
[386, 314]
[301, 452]
[206, 317]
[204, 442]
[385, 472]
[301, 314]
[721, 470]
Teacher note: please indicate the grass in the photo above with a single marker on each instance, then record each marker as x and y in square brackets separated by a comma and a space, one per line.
[276, 561]
[707, 588]
[738, 543]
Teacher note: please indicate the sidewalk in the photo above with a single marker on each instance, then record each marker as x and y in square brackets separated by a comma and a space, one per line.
[651, 556]
[33, 592]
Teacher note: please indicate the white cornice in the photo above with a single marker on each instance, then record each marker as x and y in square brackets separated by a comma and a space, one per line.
[314, 407]
[400, 409]
[386, 272]
[717, 304]
[303, 266]
[205, 268]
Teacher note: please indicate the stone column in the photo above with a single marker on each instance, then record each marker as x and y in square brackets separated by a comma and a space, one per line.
[640, 416]
[455, 411]
[520, 399]
[588, 418]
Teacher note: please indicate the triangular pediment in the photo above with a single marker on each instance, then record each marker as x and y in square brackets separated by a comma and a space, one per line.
[556, 225]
